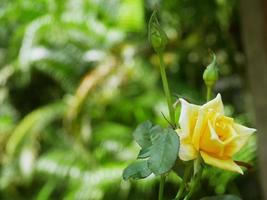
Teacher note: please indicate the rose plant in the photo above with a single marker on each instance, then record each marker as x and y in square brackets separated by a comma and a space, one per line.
[203, 134]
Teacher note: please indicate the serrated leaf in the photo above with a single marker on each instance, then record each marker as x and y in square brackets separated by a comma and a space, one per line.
[164, 151]
[136, 170]
[222, 197]
[142, 134]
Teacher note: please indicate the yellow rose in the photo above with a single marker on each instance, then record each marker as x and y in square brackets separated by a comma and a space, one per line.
[205, 130]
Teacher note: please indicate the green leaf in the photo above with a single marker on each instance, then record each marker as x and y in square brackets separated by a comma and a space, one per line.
[164, 151]
[142, 134]
[144, 153]
[154, 131]
[137, 170]
[221, 197]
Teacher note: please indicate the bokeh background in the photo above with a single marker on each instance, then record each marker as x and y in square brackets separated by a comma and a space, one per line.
[77, 76]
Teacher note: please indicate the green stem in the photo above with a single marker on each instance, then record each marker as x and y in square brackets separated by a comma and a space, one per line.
[161, 186]
[171, 111]
[166, 88]
[198, 169]
[208, 93]
[195, 183]
[185, 178]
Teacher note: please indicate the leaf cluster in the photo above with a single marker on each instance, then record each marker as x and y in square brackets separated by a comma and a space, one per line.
[158, 154]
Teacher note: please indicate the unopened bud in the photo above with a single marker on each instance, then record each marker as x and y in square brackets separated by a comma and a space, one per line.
[156, 35]
[211, 73]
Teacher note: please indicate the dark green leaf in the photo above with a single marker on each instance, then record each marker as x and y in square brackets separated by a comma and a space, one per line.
[142, 134]
[221, 197]
[164, 151]
[136, 170]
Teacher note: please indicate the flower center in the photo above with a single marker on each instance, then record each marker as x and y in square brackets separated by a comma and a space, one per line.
[222, 127]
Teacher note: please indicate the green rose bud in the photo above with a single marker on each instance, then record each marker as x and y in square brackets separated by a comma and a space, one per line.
[156, 35]
[211, 73]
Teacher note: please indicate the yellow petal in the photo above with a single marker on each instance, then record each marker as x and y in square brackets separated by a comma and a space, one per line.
[187, 151]
[188, 117]
[243, 135]
[232, 135]
[210, 141]
[200, 128]
[227, 164]
[224, 130]
[214, 106]
[243, 131]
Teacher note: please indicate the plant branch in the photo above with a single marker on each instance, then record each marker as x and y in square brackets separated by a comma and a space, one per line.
[195, 183]
[184, 182]
[209, 93]
[161, 186]
[166, 89]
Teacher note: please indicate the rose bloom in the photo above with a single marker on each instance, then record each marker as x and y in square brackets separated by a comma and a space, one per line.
[206, 131]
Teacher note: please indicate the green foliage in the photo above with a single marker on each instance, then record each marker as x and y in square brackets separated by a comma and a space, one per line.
[137, 170]
[160, 147]
[131, 15]
[33, 123]
[164, 151]
[61, 139]
[142, 134]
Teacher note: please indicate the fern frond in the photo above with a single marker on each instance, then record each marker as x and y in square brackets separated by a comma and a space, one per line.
[29, 39]
[82, 182]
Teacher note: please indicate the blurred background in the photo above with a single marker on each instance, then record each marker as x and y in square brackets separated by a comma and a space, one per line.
[77, 76]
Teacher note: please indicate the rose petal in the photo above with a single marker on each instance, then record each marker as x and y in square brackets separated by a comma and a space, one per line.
[229, 135]
[187, 151]
[227, 164]
[223, 127]
[243, 135]
[188, 117]
[210, 142]
[216, 106]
